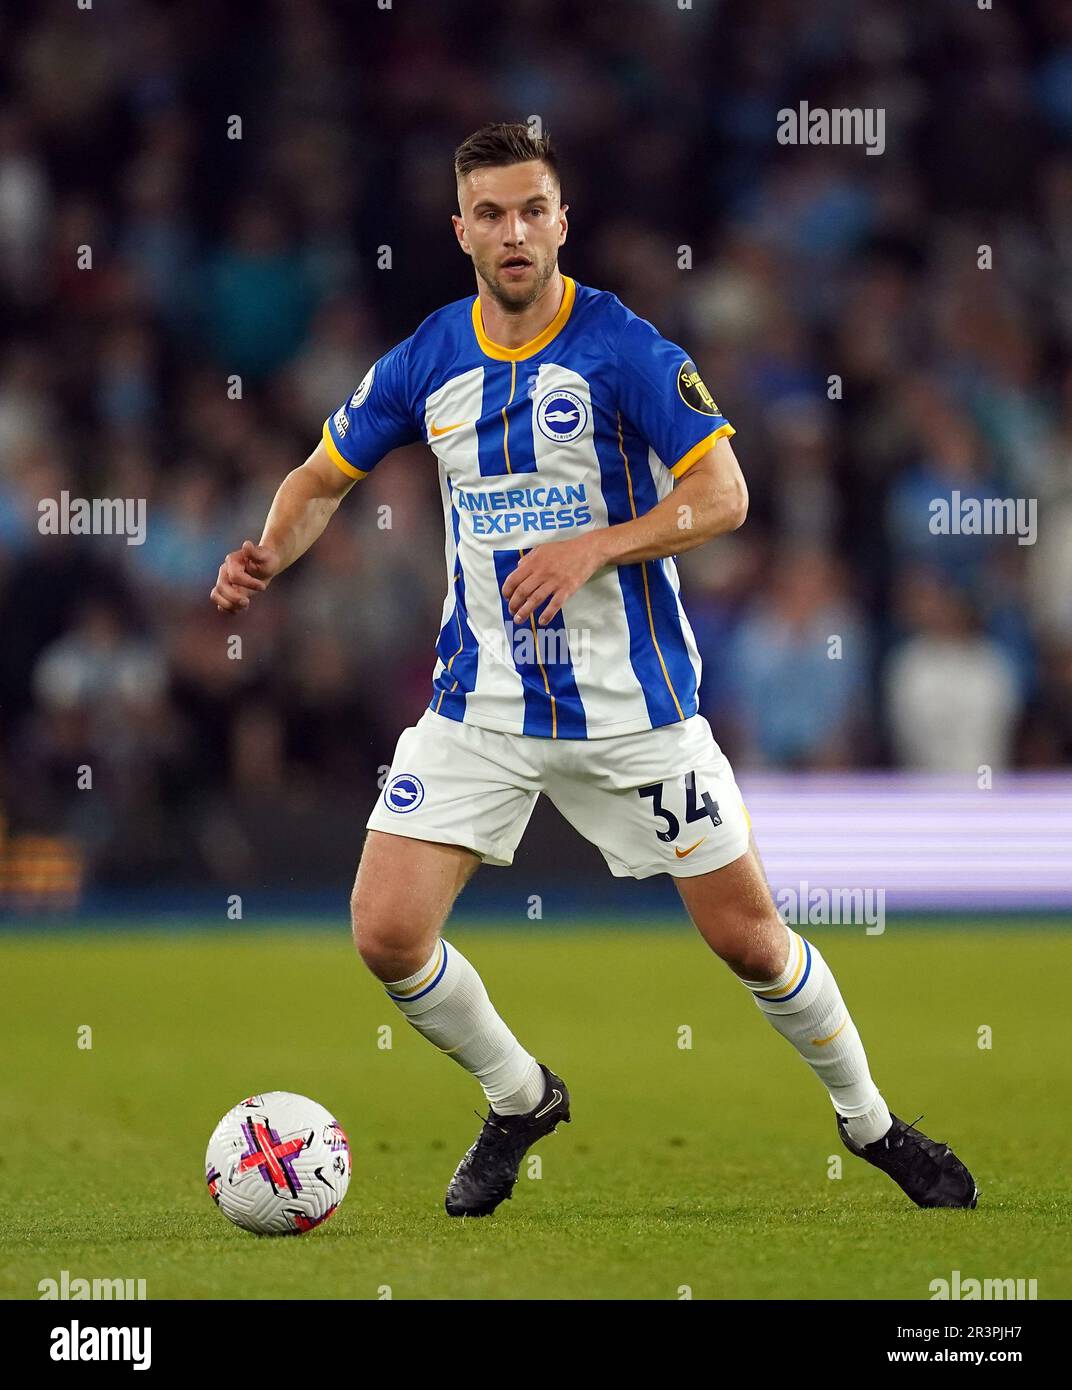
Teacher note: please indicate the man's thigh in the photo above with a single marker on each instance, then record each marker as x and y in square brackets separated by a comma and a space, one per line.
[734, 912]
[410, 881]
[661, 801]
[455, 784]
[402, 896]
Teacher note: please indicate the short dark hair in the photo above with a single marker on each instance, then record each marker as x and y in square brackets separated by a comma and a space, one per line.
[496, 145]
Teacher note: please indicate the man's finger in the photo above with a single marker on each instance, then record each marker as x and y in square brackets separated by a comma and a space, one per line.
[259, 554]
[520, 571]
[227, 591]
[557, 600]
[525, 586]
[533, 602]
[235, 574]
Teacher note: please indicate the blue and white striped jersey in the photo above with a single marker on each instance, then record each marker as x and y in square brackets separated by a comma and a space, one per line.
[587, 425]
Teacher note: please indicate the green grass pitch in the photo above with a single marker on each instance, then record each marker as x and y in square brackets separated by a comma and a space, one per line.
[702, 1168]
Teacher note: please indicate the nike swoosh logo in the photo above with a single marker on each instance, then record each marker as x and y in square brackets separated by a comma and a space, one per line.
[436, 430]
[684, 853]
[822, 1042]
[556, 1099]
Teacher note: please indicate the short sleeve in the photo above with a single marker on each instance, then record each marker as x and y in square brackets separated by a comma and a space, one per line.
[376, 419]
[663, 396]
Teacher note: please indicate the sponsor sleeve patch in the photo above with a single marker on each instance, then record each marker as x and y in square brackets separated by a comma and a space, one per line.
[693, 392]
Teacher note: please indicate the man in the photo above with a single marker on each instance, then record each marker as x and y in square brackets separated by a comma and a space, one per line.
[578, 451]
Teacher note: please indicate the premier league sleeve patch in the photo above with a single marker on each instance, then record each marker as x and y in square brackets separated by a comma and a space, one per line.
[359, 396]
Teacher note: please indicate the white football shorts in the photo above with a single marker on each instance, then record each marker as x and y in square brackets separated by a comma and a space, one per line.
[662, 801]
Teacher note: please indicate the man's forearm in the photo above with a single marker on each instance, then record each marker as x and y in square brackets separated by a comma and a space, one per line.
[298, 516]
[696, 510]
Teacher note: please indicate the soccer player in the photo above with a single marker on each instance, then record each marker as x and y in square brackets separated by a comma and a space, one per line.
[578, 452]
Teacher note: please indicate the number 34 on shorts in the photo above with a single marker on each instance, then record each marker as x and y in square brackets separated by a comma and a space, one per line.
[686, 824]
[707, 811]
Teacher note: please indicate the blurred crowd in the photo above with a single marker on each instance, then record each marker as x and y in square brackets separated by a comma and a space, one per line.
[241, 277]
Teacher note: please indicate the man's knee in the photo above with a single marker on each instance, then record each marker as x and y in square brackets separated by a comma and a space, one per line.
[402, 895]
[387, 938]
[753, 949]
[378, 932]
[735, 914]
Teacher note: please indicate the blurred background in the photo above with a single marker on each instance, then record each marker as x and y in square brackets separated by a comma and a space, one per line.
[263, 258]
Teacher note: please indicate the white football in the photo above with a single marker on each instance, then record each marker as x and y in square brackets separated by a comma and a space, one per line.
[278, 1164]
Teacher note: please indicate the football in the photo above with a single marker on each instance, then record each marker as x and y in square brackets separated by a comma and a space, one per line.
[278, 1164]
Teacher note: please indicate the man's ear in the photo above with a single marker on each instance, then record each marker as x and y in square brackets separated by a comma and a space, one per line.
[565, 222]
[459, 232]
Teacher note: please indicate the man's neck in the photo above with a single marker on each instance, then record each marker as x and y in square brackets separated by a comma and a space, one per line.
[509, 330]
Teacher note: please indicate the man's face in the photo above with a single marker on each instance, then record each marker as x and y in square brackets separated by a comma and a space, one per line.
[512, 225]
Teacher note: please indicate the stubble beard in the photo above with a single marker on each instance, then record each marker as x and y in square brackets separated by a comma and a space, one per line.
[514, 301]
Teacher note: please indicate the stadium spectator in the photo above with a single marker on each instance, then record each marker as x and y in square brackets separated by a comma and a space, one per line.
[237, 289]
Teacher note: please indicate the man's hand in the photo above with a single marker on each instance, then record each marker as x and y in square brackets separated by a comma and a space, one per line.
[553, 571]
[708, 500]
[243, 573]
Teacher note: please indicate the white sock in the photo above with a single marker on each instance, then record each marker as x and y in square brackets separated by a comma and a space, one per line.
[447, 1003]
[804, 1004]
[871, 1125]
